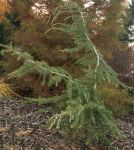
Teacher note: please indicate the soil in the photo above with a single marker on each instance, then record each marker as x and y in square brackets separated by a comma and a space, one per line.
[22, 128]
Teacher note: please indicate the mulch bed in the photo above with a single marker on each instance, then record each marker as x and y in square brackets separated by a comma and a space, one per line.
[21, 128]
[126, 126]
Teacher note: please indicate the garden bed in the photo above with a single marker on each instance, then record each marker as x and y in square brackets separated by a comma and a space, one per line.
[22, 128]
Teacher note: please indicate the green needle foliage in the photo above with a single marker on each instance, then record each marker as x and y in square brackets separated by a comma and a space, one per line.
[128, 24]
[82, 110]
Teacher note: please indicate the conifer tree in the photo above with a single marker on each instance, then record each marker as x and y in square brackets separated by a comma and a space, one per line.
[31, 38]
[110, 29]
[4, 34]
[129, 25]
[80, 107]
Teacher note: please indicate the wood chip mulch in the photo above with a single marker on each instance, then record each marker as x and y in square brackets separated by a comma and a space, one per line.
[21, 129]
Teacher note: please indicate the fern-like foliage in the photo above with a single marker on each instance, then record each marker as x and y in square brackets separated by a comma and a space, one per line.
[83, 109]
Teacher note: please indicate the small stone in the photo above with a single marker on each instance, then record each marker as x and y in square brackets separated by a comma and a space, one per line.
[3, 129]
[23, 133]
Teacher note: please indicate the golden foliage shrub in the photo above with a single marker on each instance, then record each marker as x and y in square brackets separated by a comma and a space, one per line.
[4, 7]
[115, 99]
[5, 89]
